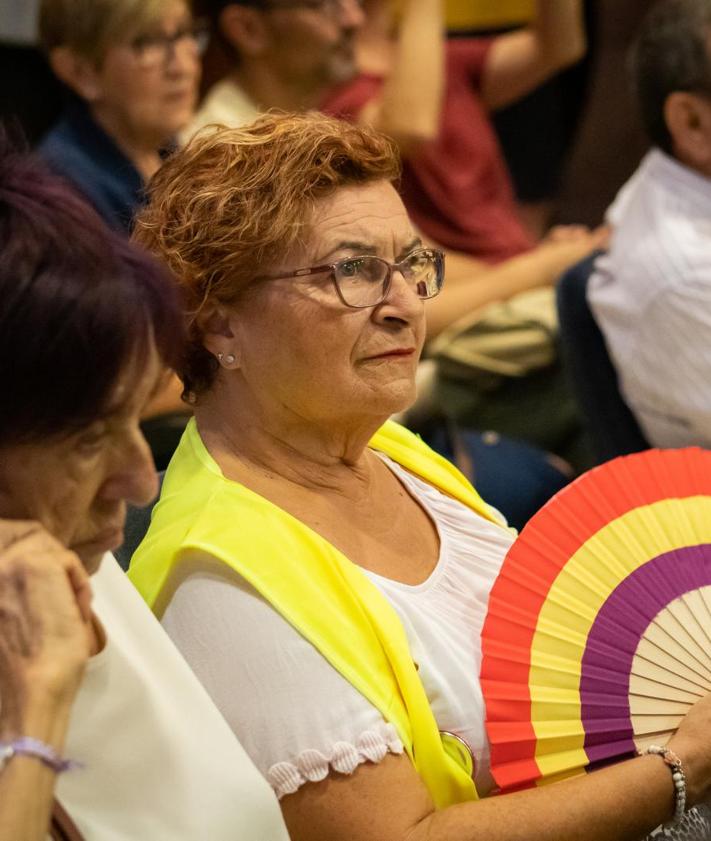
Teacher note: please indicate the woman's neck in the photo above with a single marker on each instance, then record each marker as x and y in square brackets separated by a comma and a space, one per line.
[283, 445]
[143, 152]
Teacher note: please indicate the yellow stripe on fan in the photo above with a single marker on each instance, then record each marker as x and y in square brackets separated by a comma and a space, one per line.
[575, 599]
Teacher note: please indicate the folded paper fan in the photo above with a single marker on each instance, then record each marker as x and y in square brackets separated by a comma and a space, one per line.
[598, 633]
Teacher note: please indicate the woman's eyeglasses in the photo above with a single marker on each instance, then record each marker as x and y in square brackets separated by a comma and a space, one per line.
[159, 49]
[364, 281]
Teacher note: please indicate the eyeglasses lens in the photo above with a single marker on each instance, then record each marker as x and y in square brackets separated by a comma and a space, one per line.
[158, 50]
[362, 281]
[423, 270]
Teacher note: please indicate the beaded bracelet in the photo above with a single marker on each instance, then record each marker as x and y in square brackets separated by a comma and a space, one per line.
[27, 746]
[678, 777]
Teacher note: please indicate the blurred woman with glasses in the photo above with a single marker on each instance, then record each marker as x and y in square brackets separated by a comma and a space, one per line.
[323, 571]
[132, 67]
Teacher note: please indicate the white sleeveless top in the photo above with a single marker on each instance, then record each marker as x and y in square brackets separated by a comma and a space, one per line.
[294, 713]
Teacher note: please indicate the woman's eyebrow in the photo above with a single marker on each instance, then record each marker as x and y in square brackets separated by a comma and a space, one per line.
[369, 248]
[416, 243]
[350, 245]
[354, 245]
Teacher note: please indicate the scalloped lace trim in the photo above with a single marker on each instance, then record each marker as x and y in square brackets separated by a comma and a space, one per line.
[313, 766]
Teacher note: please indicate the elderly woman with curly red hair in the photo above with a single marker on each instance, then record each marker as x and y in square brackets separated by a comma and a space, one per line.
[323, 571]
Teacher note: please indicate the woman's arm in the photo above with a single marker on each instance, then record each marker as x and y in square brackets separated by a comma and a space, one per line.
[388, 802]
[520, 61]
[45, 616]
[471, 285]
[27, 784]
[408, 108]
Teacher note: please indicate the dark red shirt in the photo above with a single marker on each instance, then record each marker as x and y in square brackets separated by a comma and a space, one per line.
[456, 188]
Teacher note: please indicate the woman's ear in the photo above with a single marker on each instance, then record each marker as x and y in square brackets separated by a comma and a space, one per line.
[243, 28]
[688, 119]
[219, 337]
[77, 72]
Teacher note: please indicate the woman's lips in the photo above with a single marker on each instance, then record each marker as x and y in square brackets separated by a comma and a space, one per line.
[396, 353]
[106, 540]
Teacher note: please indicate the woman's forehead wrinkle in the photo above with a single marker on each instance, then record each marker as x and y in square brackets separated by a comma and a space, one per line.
[371, 220]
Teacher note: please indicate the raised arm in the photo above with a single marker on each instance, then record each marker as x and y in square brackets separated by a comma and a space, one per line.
[408, 108]
[44, 644]
[520, 61]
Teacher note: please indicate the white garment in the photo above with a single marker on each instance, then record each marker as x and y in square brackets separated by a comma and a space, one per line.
[160, 762]
[294, 713]
[651, 296]
[225, 104]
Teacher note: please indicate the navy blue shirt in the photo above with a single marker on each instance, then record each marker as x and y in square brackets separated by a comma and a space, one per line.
[77, 148]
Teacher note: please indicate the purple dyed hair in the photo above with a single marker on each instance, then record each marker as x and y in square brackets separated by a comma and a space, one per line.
[78, 305]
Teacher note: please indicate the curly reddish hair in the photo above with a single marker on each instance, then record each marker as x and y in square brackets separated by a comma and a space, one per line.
[234, 202]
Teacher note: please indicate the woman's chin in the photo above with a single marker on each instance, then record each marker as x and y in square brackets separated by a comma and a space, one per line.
[394, 400]
[90, 558]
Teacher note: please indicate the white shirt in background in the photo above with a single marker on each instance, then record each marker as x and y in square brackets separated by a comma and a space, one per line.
[225, 104]
[160, 762]
[651, 296]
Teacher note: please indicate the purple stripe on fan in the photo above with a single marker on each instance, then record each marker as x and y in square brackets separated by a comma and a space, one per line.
[614, 637]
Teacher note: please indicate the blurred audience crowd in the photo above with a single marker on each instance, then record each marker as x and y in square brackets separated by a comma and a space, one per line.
[534, 175]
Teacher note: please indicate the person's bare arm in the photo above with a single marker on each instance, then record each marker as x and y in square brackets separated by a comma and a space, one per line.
[520, 61]
[45, 615]
[409, 106]
[388, 802]
[470, 285]
[26, 784]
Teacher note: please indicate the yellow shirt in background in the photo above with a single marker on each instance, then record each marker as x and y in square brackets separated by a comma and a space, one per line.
[488, 14]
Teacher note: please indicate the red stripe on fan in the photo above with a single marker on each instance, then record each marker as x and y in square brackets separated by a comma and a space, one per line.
[534, 562]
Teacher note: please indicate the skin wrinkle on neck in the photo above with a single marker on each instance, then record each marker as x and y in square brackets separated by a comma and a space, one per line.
[320, 461]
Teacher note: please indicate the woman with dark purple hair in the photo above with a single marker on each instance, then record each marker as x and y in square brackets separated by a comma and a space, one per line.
[104, 731]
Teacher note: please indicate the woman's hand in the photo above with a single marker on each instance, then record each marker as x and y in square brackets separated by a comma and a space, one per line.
[45, 624]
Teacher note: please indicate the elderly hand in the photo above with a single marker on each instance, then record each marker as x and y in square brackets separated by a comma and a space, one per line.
[45, 622]
[581, 234]
[565, 246]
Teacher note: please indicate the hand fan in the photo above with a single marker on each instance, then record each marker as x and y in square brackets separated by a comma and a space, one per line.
[598, 632]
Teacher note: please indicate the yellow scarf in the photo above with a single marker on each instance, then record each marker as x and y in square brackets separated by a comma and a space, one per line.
[316, 588]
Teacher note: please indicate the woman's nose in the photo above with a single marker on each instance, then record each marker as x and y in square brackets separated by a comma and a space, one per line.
[402, 299]
[351, 14]
[143, 486]
[134, 477]
[182, 60]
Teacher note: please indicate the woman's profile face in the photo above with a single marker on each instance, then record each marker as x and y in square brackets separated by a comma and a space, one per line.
[149, 85]
[299, 346]
[77, 485]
